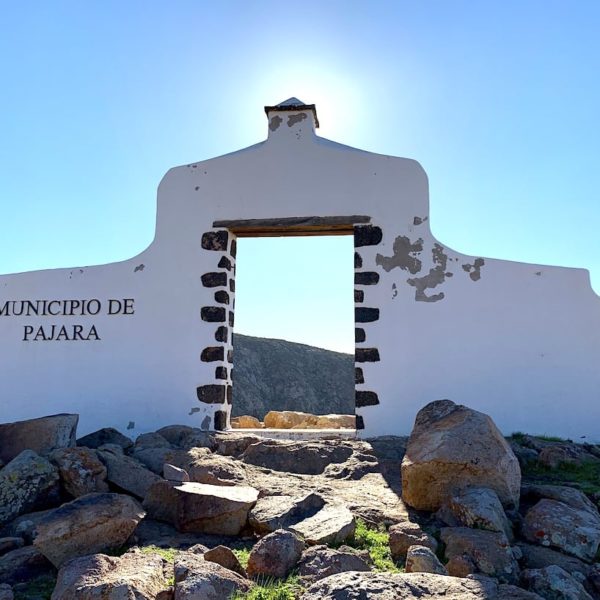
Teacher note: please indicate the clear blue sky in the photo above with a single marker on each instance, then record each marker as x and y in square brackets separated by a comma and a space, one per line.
[498, 100]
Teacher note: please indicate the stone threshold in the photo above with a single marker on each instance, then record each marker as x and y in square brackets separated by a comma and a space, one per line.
[300, 434]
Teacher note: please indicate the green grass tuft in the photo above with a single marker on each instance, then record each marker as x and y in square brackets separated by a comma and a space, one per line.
[272, 589]
[376, 541]
[167, 553]
[585, 476]
[242, 554]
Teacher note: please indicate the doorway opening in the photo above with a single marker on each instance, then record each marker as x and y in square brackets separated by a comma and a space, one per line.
[293, 345]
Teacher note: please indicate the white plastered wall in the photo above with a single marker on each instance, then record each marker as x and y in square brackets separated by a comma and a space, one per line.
[518, 341]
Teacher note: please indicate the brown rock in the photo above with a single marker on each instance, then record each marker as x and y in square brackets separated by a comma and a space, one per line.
[199, 579]
[336, 422]
[23, 564]
[127, 473]
[288, 419]
[87, 525]
[489, 551]
[200, 508]
[318, 562]
[275, 555]
[223, 556]
[420, 559]
[81, 471]
[246, 422]
[332, 524]
[555, 524]
[280, 512]
[135, 575]
[406, 534]
[461, 566]
[40, 435]
[107, 435]
[451, 448]
[27, 483]
[213, 469]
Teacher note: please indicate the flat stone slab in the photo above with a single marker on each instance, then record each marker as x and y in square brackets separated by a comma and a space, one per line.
[333, 524]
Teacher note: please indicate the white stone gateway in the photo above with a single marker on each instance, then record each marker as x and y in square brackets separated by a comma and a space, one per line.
[148, 341]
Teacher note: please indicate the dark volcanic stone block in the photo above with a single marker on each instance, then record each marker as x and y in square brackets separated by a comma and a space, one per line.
[360, 423]
[366, 398]
[357, 260]
[233, 250]
[221, 334]
[359, 296]
[366, 355]
[214, 279]
[224, 263]
[367, 235]
[229, 394]
[215, 240]
[213, 314]
[211, 394]
[359, 376]
[213, 353]
[359, 335]
[366, 278]
[220, 420]
[221, 373]
[231, 318]
[230, 356]
[363, 314]
[222, 296]
[232, 285]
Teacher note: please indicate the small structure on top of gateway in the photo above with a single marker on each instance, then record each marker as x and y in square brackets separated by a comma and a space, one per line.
[148, 341]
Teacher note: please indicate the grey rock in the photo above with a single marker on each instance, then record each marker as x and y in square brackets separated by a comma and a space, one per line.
[567, 495]
[87, 525]
[29, 482]
[40, 435]
[489, 551]
[25, 526]
[407, 586]
[185, 437]
[201, 579]
[275, 555]
[554, 583]
[212, 469]
[478, 508]
[107, 435]
[318, 562]
[231, 443]
[539, 557]
[222, 555]
[8, 544]
[420, 559]
[173, 473]
[555, 524]
[81, 471]
[332, 524]
[22, 565]
[406, 534]
[279, 512]
[6, 592]
[452, 448]
[150, 440]
[135, 575]
[127, 473]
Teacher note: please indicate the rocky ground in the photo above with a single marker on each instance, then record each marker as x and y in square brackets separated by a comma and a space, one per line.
[456, 511]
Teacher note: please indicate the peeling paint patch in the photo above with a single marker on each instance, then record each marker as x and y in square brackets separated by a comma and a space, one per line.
[139, 268]
[194, 410]
[436, 276]
[474, 270]
[538, 273]
[206, 422]
[404, 257]
[419, 220]
[293, 119]
[131, 425]
[394, 290]
[275, 123]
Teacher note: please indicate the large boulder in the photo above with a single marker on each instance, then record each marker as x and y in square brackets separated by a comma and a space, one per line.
[539, 557]
[212, 469]
[451, 448]
[489, 551]
[87, 525]
[555, 583]
[28, 482]
[408, 586]
[558, 525]
[275, 555]
[127, 473]
[246, 422]
[23, 564]
[136, 575]
[332, 524]
[201, 508]
[40, 435]
[318, 562]
[280, 512]
[107, 435]
[81, 471]
[199, 579]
